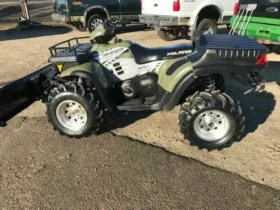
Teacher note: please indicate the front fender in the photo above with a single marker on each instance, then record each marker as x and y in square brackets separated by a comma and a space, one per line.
[97, 75]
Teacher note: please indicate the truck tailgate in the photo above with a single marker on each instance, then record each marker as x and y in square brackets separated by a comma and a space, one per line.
[157, 7]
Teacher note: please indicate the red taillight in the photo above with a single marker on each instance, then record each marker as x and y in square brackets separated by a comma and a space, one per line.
[176, 5]
[141, 4]
[236, 7]
[262, 60]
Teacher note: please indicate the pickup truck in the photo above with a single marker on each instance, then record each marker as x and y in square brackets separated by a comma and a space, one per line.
[257, 19]
[86, 14]
[182, 17]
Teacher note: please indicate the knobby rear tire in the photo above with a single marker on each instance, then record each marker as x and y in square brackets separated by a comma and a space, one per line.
[166, 35]
[207, 101]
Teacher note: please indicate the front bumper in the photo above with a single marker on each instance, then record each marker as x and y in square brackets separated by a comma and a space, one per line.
[61, 18]
[163, 20]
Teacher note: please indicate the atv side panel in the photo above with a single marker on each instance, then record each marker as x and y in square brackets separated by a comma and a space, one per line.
[172, 71]
[99, 77]
[101, 47]
[125, 55]
[167, 100]
[172, 99]
[20, 94]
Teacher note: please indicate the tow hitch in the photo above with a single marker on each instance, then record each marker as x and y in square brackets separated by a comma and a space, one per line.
[253, 79]
[256, 79]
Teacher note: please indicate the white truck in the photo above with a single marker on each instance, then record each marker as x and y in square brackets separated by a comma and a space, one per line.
[173, 18]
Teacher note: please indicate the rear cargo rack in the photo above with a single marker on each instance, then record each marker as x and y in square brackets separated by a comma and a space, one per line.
[70, 50]
[55, 49]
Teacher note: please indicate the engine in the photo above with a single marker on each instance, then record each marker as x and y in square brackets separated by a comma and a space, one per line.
[143, 86]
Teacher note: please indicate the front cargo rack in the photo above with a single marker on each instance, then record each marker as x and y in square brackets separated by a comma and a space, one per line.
[70, 50]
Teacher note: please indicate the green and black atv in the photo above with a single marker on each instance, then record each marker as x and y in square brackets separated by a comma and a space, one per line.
[85, 80]
[259, 19]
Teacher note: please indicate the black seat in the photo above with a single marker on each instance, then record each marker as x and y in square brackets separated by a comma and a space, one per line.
[145, 55]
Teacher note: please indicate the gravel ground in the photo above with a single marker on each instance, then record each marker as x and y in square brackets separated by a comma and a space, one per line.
[40, 169]
[39, 10]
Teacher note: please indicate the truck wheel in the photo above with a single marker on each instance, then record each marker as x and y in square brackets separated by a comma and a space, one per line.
[167, 35]
[74, 111]
[93, 21]
[211, 120]
[207, 26]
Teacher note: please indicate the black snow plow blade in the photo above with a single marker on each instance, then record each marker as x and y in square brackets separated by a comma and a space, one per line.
[20, 94]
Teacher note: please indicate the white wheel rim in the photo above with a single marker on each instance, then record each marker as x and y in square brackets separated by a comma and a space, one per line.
[95, 23]
[71, 115]
[212, 125]
[207, 30]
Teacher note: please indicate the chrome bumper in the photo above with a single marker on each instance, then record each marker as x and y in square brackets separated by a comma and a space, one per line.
[61, 18]
[163, 20]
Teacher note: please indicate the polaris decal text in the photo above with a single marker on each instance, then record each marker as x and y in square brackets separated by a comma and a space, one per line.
[183, 52]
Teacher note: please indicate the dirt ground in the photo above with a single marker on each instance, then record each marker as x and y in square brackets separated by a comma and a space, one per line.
[256, 157]
[40, 169]
[39, 10]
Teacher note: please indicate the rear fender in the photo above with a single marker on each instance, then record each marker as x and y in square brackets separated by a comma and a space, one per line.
[98, 76]
[243, 72]
[189, 77]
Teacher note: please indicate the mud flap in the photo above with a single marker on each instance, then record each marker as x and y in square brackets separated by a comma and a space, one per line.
[20, 94]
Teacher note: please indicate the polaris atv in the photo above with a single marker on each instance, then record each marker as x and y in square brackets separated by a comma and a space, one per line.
[83, 80]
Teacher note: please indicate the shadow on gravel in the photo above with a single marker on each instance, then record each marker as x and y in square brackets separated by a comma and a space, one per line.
[188, 38]
[132, 28]
[33, 32]
[123, 119]
[272, 72]
[257, 106]
[273, 48]
[9, 11]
